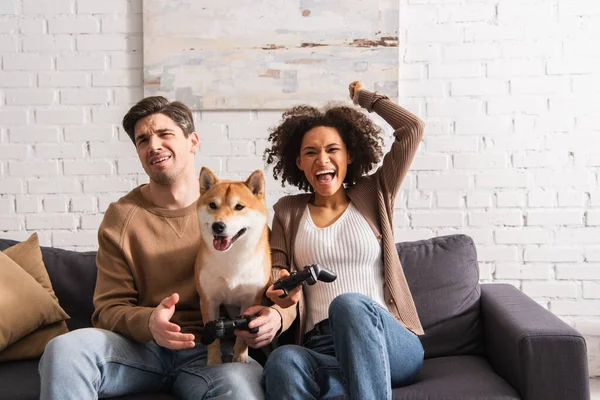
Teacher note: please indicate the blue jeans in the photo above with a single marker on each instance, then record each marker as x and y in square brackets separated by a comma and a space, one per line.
[367, 353]
[95, 363]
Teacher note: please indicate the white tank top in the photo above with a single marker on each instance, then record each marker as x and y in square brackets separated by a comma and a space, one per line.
[349, 248]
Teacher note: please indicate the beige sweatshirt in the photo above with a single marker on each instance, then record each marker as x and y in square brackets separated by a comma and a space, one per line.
[145, 254]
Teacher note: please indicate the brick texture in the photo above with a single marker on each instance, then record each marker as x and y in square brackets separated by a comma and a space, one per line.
[509, 92]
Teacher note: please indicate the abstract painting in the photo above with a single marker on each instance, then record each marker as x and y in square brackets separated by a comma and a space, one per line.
[268, 54]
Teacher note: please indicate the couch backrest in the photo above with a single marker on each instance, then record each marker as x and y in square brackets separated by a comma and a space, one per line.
[443, 276]
[442, 273]
[73, 277]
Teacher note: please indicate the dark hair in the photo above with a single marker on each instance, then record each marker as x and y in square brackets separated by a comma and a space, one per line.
[360, 135]
[176, 110]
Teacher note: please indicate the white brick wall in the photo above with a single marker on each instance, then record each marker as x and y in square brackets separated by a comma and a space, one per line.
[516, 137]
[509, 91]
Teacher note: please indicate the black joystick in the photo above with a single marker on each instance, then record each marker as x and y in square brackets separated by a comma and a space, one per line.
[311, 274]
[223, 328]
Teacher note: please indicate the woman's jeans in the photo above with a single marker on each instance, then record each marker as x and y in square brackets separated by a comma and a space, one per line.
[367, 353]
[94, 363]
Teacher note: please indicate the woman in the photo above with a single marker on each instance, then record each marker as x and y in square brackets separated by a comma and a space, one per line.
[358, 333]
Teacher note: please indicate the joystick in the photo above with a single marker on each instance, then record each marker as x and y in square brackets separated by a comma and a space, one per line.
[224, 327]
[311, 274]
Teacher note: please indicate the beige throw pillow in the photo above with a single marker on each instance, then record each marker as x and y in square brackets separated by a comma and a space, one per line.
[25, 305]
[29, 257]
[32, 345]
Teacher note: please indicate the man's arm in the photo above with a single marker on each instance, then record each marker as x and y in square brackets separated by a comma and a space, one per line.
[116, 297]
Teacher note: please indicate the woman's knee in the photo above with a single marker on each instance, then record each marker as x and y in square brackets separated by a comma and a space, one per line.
[347, 305]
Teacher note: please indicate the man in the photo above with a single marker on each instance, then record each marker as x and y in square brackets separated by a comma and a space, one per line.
[147, 319]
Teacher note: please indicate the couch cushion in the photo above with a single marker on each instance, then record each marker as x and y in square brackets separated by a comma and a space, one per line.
[457, 378]
[73, 277]
[25, 305]
[33, 345]
[20, 380]
[29, 256]
[443, 276]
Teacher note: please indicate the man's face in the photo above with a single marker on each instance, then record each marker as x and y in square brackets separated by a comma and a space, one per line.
[166, 154]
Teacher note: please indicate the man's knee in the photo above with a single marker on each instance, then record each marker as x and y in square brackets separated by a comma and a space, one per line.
[230, 380]
[283, 361]
[69, 344]
[235, 372]
[69, 348]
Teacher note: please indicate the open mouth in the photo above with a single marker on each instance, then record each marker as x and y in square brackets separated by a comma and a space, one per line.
[223, 243]
[325, 177]
[158, 161]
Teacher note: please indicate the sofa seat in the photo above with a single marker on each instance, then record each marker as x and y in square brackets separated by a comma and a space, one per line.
[457, 378]
[443, 378]
[20, 380]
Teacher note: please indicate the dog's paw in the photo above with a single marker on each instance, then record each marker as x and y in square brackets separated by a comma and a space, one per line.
[214, 361]
[243, 358]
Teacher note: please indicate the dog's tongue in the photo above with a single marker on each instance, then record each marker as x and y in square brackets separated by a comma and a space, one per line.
[221, 242]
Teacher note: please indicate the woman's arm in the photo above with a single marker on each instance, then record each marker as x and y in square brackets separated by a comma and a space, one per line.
[280, 269]
[408, 133]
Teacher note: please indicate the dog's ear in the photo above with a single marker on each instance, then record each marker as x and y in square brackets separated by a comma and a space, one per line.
[256, 184]
[207, 180]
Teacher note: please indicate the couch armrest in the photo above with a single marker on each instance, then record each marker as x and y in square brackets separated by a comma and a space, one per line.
[541, 356]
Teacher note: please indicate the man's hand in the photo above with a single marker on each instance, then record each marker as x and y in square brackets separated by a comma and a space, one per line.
[355, 88]
[268, 322]
[291, 299]
[166, 333]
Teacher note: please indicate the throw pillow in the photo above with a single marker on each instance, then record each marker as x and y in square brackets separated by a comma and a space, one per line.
[29, 257]
[24, 305]
[443, 276]
[32, 345]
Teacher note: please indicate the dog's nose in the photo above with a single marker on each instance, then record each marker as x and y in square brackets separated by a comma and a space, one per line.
[218, 227]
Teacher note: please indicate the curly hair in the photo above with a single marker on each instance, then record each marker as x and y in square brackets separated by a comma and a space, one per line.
[361, 136]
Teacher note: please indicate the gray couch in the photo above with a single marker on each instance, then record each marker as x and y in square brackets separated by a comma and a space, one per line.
[486, 341]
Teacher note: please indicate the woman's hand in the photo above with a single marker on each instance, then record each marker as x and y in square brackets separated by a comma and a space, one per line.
[291, 299]
[268, 322]
[355, 88]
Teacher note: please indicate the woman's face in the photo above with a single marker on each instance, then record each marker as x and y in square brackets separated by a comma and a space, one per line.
[324, 160]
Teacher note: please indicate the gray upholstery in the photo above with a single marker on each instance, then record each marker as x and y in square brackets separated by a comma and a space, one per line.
[444, 279]
[485, 341]
[457, 378]
[534, 350]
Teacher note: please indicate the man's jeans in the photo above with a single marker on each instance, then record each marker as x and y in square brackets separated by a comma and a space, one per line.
[94, 363]
[367, 353]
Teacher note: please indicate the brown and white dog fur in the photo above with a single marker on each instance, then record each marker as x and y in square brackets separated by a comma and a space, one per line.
[233, 265]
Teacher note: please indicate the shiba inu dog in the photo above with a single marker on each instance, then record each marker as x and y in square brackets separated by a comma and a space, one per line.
[233, 265]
